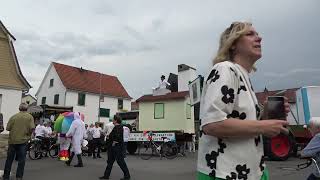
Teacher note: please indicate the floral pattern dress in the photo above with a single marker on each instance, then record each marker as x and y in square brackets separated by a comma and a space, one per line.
[227, 93]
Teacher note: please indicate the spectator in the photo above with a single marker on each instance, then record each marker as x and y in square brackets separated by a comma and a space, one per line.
[126, 135]
[20, 127]
[96, 140]
[231, 144]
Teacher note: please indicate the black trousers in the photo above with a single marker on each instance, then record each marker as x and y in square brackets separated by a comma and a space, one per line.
[96, 144]
[115, 153]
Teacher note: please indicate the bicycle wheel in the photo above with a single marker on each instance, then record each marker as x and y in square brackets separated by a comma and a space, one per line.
[54, 151]
[146, 151]
[170, 150]
[34, 151]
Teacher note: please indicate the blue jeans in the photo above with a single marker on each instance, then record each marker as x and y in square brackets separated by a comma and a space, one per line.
[18, 151]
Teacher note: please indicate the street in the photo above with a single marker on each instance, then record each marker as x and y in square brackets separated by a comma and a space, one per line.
[181, 168]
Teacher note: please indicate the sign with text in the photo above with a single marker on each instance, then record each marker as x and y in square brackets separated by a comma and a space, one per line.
[155, 137]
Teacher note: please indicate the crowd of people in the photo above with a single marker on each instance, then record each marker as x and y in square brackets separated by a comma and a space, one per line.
[22, 128]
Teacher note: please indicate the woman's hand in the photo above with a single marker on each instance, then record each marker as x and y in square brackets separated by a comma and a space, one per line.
[286, 107]
[271, 128]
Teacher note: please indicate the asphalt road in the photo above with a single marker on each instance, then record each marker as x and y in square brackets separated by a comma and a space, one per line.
[181, 168]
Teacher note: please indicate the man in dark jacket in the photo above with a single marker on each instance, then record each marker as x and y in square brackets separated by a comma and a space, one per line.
[115, 150]
[20, 127]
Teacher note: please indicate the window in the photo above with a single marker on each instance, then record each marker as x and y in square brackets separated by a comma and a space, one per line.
[43, 100]
[188, 111]
[51, 83]
[81, 99]
[158, 110]
[56, 99]
[120, 103]
[104, 112]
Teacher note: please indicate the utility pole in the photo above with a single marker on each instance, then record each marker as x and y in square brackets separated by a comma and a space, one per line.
[99, 97]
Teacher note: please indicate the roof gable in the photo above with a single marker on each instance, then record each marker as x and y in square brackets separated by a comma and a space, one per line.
[10, 69]
[79, 79]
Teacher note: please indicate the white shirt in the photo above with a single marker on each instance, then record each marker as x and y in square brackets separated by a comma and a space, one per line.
[49, 131]
[163, 84]
[108, 128]
[227, 93]
[96, 132]
[41, 131]
[126, 134]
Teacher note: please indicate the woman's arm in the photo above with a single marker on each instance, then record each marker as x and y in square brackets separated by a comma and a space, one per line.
[236, 128]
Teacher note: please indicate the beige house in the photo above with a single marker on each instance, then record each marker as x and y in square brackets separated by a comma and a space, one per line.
[12, 82]
[169, 112]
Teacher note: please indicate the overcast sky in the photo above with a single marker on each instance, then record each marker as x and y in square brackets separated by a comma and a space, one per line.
[139, 40]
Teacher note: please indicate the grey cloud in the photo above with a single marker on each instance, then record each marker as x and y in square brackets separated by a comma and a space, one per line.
[69, 45]
[291, 72]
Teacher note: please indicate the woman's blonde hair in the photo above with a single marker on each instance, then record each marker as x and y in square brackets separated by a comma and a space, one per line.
[228, 38]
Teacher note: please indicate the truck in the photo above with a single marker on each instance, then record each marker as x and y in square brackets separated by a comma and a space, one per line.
[283, 146]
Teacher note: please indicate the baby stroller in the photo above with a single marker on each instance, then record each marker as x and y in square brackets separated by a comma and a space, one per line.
[84, 148]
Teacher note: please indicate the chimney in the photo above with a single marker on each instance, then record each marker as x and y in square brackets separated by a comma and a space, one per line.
[186, 74]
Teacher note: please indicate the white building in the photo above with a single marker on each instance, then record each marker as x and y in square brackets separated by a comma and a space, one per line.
[85, 90]
[12, 81]
[28, 99]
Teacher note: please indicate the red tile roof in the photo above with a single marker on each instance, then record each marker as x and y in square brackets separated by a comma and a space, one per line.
[289, 93]
[169, 96]
[78, 79]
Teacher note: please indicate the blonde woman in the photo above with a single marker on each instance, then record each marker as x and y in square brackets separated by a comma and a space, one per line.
[231, 145]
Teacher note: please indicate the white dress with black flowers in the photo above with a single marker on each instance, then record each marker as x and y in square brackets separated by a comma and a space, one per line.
[227, 93]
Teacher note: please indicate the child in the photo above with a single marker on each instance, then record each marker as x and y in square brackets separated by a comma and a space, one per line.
[313, 147]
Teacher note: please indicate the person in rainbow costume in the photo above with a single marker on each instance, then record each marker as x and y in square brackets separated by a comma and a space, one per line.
[77, 132]
[61, 126]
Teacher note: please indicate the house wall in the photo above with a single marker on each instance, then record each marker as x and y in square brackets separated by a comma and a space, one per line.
[184, 77]
[26, 99]
[174, 117]
[10, 101]
[49, 92]
[90, 109]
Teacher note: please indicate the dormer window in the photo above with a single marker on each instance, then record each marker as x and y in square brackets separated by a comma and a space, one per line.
[51, 83]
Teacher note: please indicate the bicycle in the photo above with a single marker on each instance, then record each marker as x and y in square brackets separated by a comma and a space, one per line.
[165, 148]
[309, 161]
[36, 149]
